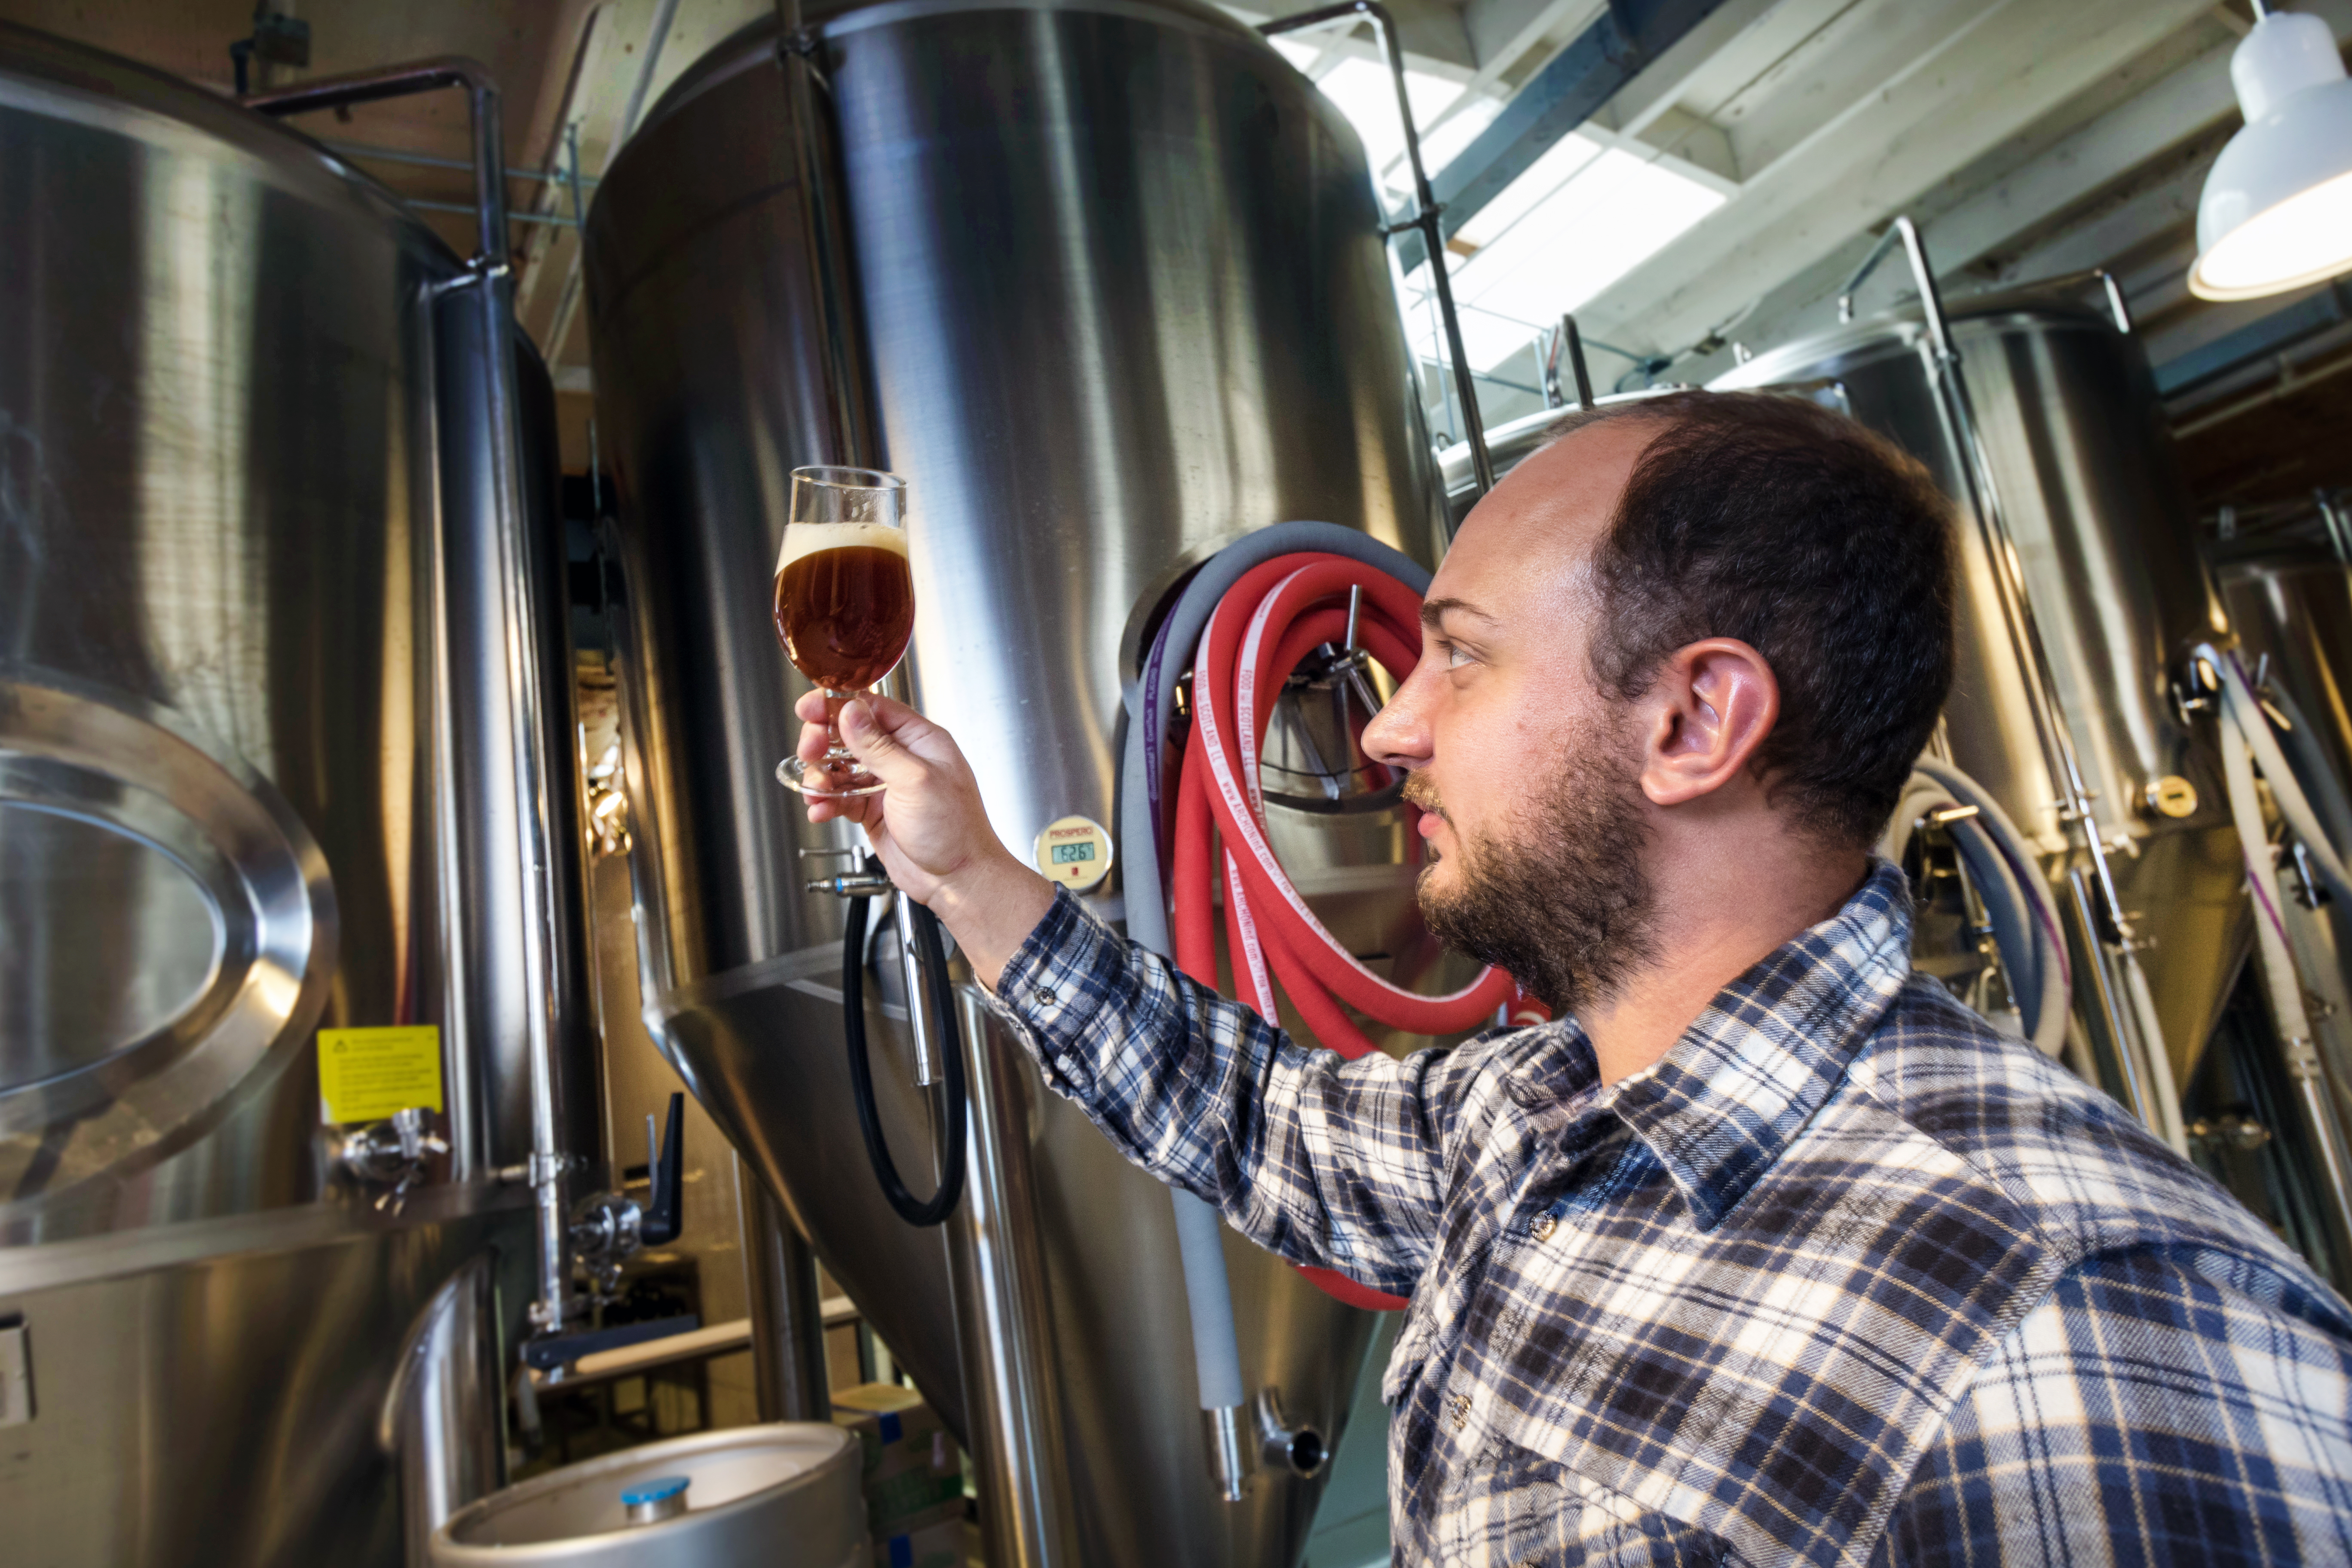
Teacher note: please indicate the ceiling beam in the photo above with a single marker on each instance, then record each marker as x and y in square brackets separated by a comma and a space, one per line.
[1992, 78]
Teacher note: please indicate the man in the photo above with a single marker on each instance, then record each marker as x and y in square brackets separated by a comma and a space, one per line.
[1766, 1250]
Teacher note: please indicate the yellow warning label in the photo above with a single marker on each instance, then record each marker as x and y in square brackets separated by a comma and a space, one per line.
[365, 1075]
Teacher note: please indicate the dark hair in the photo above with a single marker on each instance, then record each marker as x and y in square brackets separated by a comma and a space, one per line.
[1766, 517]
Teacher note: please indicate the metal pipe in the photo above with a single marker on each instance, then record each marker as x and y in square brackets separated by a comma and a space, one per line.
[547, 219]
[2340, 526]
[372, 154]
[1425, 217]
[2314, 1102]
[658, 36]
[1568, 338]
[918, 1007]
[826, 235]
[1013, 1410]
[491, 278]
[788, 1361]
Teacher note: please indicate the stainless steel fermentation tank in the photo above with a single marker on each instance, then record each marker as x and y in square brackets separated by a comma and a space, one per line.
[259, 764]
[2076, 455]
[2075, 458]
[1125, 296]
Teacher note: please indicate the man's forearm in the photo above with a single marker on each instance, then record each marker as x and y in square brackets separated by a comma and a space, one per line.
[991, 909]
[1323, 1161]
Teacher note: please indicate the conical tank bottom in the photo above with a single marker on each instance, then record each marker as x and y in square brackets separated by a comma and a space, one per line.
[2185, 893]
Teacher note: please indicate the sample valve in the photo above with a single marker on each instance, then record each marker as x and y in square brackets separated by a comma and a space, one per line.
[609, 1228]
[392, 1153]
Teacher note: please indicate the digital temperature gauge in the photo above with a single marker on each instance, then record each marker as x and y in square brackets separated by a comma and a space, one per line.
[1073, 853]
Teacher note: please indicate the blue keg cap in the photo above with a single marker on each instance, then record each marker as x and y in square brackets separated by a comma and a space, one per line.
[639, 1493]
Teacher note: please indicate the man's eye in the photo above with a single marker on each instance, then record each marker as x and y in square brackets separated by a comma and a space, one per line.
[1456, 658]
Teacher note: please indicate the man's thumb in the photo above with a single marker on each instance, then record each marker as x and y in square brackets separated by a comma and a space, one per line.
[862, 733]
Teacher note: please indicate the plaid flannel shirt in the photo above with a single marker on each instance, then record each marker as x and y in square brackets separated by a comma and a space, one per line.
[1845, 1278]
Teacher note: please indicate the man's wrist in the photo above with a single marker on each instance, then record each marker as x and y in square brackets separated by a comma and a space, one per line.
[992, 907]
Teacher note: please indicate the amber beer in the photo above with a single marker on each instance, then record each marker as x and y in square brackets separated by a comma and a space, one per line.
[844, 602]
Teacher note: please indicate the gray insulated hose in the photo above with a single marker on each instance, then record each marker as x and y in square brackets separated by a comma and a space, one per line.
[1216, 1350]
[2244, 708]
[2008, 876]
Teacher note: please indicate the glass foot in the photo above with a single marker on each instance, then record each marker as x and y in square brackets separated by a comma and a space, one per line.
[826, 781]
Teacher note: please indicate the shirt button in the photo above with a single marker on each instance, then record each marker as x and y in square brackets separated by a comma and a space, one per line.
[1461, 1404]
[1042, 998]
[1545, 1227]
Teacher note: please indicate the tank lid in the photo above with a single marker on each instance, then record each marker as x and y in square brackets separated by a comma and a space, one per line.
[753, 44]
[661, 1488]
[2028, 309]
[130, 91]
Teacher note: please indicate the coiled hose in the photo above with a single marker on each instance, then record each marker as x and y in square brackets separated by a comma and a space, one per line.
[1232, 617]
[1200, 1233]
[932, 960]
[2009, 878]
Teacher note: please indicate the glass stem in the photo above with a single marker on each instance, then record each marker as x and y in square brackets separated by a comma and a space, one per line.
[836, 754]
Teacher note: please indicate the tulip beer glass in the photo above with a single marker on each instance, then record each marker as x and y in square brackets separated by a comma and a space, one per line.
[845, 602]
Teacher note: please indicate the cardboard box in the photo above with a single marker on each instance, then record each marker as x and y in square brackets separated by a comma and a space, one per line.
[938, 1544]
[912, 1473]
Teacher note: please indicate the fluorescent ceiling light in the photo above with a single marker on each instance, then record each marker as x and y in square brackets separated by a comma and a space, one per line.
[2276, 213]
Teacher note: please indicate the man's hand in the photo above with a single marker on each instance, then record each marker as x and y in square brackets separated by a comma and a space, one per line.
[929, 826]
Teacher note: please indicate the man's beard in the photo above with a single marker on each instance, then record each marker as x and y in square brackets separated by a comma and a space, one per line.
[1562, 905]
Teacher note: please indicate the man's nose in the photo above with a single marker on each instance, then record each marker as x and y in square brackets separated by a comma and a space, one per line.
[1398, 736]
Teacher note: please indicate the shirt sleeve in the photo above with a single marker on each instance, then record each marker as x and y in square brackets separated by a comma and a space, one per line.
[1325, 1162]
[2162, 1407]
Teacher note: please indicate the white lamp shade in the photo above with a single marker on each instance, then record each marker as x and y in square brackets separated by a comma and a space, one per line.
[2276, 212]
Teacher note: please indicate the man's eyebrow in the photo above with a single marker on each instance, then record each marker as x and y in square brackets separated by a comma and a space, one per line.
[1436, 610]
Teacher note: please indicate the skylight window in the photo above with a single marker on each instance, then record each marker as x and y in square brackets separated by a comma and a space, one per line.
[1364, 90]
[1580, 218]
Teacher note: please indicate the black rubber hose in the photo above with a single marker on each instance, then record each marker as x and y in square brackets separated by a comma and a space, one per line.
[933, 963]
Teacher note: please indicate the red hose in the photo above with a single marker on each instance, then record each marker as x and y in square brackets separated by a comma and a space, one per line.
[1269, 621]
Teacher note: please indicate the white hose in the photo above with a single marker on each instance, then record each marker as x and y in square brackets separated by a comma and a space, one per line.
[2246, 739]
[2009, 878]
[2244, 712]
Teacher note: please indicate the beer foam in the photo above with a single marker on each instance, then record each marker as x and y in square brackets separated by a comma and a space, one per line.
[809, 538]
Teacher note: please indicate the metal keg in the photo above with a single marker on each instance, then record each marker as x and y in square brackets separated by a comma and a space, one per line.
[750, 1497]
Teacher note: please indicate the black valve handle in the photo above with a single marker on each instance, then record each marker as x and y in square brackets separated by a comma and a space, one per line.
[931, 954]
[664, 1211]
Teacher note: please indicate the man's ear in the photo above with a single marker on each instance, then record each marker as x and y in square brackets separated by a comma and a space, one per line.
[1710, 707]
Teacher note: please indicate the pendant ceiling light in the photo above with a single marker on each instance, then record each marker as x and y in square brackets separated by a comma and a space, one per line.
[2277, 208]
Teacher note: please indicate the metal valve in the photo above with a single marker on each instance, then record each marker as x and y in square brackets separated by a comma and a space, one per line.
[849, 884]
[609, 1228]
[1296, 1450]
[392, 1151]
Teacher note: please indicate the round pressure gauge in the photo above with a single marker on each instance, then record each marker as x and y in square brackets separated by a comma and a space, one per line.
[1074, 853]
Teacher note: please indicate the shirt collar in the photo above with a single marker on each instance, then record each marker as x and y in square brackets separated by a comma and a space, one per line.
[1729, 1095]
